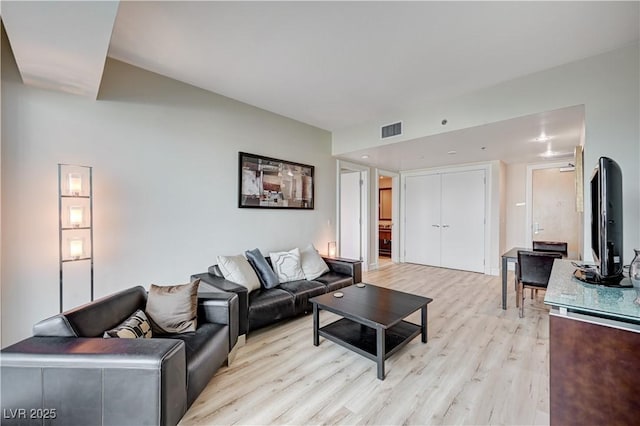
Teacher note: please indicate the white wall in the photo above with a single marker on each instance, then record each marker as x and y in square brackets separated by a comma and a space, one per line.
[608, 86]
[165, 158]
[503, 208]
[516, 209]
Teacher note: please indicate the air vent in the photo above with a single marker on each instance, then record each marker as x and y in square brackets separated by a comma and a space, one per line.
[394, 129]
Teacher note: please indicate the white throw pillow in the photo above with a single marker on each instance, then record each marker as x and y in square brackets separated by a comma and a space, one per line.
[238, 270]
[286, 265]
[312, 263]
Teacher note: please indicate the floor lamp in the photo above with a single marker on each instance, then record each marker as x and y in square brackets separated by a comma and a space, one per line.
[75, 218]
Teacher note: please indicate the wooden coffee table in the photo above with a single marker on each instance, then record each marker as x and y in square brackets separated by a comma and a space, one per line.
[373, 320]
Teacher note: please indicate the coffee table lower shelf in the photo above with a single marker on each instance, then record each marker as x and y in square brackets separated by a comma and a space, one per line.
[362, 339]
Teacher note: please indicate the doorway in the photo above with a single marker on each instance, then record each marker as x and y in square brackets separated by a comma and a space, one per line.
[352, 204]
[385, 220]
[552, 215]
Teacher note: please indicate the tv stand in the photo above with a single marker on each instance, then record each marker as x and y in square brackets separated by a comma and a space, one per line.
[594, 341]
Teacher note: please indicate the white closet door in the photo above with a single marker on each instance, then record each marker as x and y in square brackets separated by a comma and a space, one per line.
[463, 209]
[350, 215]
[422, 220]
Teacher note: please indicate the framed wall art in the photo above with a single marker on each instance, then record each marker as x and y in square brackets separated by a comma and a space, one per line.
[269, 183]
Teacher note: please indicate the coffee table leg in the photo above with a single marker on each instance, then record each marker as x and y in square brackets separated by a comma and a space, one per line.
[424, 324]
[316, 339]
[380, 351]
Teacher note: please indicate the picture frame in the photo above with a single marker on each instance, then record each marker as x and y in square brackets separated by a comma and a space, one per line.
[271, 183]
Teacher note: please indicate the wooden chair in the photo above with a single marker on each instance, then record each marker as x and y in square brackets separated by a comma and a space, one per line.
[533, 271]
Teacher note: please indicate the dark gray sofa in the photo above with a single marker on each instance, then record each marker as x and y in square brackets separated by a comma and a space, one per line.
[266, 306]
[85, 379]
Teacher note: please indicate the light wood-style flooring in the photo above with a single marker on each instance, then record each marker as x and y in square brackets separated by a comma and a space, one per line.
[481, 365]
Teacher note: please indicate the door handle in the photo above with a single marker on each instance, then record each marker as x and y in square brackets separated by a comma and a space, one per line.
[445, 226]
[536, 228]
[436, 226]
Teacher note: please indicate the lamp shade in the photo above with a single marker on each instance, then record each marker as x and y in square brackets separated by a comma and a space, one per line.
[74, 181]
[331, 249]
[76, 216]
[76, 248]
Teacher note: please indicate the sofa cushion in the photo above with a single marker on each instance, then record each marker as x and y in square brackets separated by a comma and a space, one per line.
[238, 270]
[265, 273]
[173, 309]
[334, 280]
[312, 264]
[134, 327]
[302, 291]
[269, 306]
[205, 350]
[286, 265]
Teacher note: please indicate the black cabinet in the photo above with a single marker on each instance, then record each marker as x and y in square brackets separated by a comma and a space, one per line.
[384, 241]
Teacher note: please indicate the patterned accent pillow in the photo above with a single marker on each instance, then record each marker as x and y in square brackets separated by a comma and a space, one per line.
[286, 265]
[134, 327]
[313, 265]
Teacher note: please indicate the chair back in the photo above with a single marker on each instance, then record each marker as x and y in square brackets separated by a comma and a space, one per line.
[551, 246]
[534, 268]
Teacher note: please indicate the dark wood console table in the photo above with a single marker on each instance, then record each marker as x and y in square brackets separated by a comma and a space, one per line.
[594, 342]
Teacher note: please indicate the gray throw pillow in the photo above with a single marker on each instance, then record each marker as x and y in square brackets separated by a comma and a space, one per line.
[267, 277]
[173, 309]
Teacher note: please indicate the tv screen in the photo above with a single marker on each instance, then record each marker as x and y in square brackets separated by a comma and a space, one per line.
[606, 220]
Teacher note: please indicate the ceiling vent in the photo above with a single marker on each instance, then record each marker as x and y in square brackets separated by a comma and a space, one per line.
[391, 130]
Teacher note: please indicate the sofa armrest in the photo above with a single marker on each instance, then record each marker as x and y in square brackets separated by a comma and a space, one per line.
[210, 283]
[96, 381]
[349, 267]
[220, 308]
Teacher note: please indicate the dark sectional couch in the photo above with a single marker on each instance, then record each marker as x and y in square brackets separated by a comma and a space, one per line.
[69, 367]
[266, 306]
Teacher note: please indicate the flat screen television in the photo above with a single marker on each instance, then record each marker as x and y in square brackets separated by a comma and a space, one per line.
[606, 222]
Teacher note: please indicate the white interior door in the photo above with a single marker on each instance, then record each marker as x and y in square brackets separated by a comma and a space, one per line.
[463, 221]
[422, 219]
[350, 215]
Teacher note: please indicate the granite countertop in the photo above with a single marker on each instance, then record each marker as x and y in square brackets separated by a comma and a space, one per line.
[565, 290]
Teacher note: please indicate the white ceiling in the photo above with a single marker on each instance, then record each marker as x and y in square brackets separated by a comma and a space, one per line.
[60, 45]
[512, 141]
[334, 64]
[337, 64]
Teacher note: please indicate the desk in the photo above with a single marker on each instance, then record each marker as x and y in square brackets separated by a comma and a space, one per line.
[594, 341]
[508, 256]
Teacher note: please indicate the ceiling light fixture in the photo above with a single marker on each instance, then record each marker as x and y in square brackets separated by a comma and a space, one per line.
[365, 156]
[542, 138]
[452, 152]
